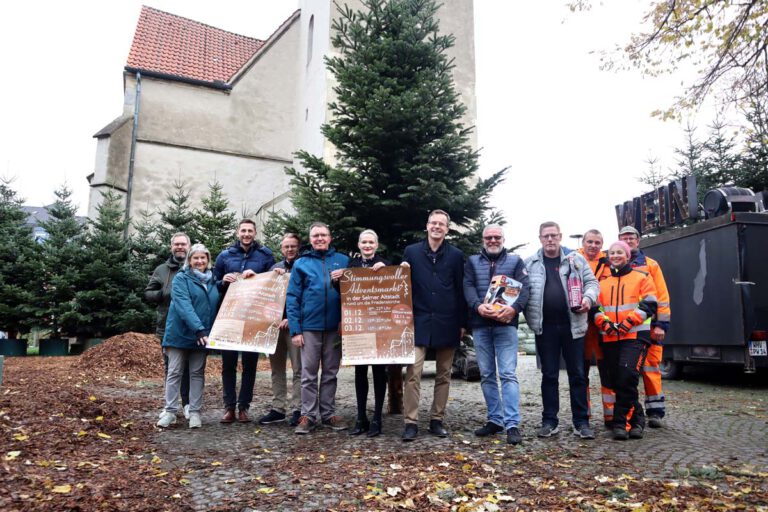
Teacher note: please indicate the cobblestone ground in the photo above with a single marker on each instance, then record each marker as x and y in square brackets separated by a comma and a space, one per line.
[723, 423]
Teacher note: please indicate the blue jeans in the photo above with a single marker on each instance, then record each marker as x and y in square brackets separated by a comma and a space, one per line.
[553, 341]
[496, 349]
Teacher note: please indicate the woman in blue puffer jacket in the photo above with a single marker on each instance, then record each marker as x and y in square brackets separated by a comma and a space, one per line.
[194, 301]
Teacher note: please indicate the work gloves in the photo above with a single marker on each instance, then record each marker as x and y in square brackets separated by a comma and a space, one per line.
[618, 329]
[609, 328]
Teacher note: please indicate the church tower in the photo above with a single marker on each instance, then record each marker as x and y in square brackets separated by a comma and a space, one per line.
[316, 82]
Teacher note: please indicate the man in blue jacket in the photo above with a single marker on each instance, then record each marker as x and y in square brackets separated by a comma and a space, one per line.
[494, 329]
[439, 317]
[245, 254]
[314, 314]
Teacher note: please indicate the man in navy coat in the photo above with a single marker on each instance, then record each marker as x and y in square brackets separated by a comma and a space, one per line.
[439, 314]
[245, 254]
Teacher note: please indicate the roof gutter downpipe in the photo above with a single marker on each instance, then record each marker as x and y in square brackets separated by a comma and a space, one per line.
[134, 134]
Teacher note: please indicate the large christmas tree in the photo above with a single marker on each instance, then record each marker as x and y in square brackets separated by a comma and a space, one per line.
[402, 149]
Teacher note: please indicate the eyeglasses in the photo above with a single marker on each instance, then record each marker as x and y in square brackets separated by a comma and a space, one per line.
[492, 237]
[436, 223]
[550, 236]
[321, 235]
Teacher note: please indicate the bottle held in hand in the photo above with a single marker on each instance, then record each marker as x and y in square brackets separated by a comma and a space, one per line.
[574, 284]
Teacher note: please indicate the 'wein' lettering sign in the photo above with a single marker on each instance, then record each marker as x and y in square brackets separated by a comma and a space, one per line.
[669, 205]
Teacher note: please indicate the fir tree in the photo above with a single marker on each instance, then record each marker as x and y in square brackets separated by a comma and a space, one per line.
[721, 160]
[214, 223]
[654, 176]
[690, 162]
[63, 256]
[753, 173]
[108, 298]
[178, 215]
[20, 262]
[149, 250]
[401, 147]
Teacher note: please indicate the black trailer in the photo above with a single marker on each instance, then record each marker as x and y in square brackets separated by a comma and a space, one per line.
[717, 274]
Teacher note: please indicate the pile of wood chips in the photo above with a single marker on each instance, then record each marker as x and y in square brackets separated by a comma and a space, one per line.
[71, 441]
[131, 355]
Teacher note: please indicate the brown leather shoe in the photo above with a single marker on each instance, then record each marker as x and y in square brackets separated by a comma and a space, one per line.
[229, 416]
[242, 416]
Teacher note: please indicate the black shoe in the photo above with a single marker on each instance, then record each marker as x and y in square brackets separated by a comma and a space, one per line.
[620, 433]
[489, 429]
[411, 432]
[361, 426]
[514, 436]
[636, 432]
[655, 422]
[272, 416]
[295, 418]
[436, 428]
[374, 429]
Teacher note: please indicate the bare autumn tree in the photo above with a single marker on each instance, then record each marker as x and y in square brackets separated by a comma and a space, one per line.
[726, 41]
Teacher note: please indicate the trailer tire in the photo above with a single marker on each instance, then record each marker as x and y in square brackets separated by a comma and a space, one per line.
[670, 370]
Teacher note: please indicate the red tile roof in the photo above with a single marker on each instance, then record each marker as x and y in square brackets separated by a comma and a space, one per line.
[179, 47]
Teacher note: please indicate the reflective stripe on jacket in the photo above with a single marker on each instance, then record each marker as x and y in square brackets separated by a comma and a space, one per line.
[663, 314]
[628, 295]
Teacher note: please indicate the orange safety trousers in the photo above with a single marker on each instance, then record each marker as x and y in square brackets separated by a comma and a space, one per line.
[651, 373]
[593, 354]
[592, 351]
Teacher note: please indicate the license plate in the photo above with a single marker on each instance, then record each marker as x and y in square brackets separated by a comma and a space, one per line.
[758, 348]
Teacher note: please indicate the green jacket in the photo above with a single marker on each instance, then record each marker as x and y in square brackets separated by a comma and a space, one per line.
[158, 291]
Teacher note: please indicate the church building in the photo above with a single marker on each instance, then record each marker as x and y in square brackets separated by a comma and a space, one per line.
[204, 104]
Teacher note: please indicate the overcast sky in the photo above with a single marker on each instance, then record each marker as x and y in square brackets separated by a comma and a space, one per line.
[576, 138]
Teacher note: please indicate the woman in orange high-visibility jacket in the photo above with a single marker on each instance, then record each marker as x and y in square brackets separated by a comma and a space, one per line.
[626, 304]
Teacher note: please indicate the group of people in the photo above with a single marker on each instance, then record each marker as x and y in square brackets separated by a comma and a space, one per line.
[586, 307]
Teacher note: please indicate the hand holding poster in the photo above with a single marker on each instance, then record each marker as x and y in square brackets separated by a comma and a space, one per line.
[249, 317]
[377, 316]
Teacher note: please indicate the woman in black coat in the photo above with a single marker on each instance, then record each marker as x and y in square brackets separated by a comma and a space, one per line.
[368, 242]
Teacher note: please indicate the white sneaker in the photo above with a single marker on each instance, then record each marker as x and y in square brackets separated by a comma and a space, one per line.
[186, 411]
[166, 420]
[162, 411]
[194, 420]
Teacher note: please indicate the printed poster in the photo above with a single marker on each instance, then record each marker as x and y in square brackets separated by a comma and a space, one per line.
[250, 314]
[377, 316]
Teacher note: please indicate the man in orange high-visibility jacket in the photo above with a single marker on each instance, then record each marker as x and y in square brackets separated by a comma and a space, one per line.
[654, 395]
[592, 250]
